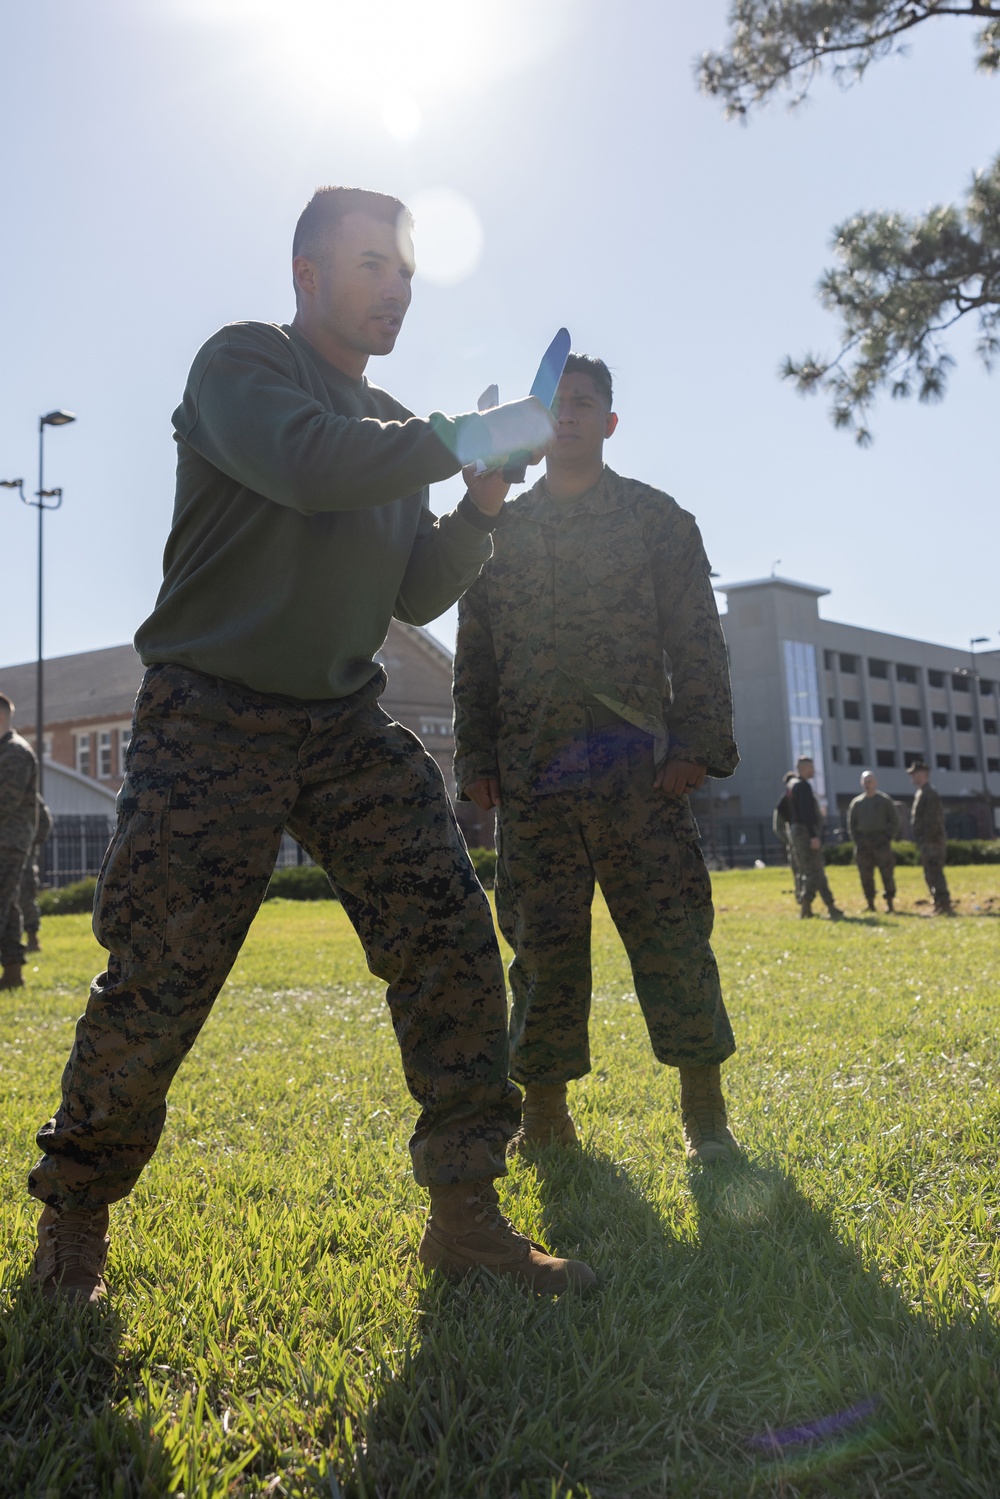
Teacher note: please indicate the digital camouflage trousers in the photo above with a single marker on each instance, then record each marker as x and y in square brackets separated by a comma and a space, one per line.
[872, 854]
[31, 916]
[12, 952]
[932, 858]
[215, 772]
[810, 869]
[642, 848]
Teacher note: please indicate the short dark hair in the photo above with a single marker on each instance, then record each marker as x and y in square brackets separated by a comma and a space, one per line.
[6, 706]
[328, 205]
[585, 364]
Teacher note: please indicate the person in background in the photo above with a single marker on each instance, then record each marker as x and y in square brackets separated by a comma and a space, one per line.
[806, 826]
[872, 823]
[31, 916]
[930, 836]
[781, 825]
[18, 815]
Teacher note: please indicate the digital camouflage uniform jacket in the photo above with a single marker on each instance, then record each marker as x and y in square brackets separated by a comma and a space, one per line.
[18, 779]
[927, 817]
[604, 598]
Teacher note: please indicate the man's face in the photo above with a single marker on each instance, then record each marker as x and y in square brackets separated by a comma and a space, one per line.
[583, 422]
[359, 284]
[806, 770]
[869, 785]
[919, 777]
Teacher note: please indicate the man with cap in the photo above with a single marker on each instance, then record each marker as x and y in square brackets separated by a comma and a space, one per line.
[18, 815]
[873, 822]
[930, 836]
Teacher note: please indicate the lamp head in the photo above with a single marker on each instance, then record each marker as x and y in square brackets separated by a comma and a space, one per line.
[56, 419]
[979, 640]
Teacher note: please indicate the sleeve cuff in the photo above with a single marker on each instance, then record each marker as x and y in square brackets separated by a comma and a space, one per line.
[470, 511]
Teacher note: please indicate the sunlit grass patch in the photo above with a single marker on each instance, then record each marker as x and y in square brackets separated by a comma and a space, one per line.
[818, 1321]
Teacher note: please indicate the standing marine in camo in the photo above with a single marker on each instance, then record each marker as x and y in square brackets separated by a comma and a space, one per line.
[18, 814]
[301, 526]
[591, 695]
[873, 822]
[930, 836]
[805, 830]
[31, 916]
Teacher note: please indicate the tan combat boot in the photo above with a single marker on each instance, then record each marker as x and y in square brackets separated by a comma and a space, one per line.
[545, 1118]
[707, 1137]
[466, 1231]
[11, 977]
[71, 1254]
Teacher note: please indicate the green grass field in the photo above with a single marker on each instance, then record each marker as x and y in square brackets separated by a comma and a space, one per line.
[819, 1321]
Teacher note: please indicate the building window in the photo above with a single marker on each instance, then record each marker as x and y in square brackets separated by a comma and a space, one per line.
[881, 713]
[104, 754]
[877, 668]
[943, 762]
[910, 717]
[851, 709]
[985, 687]
[83, 754]
[435, 727]
[989, 726]
[939, 720]
[963, 723]
[855, 756]
[124, 738]
[993, 765]
[849, 664]
[960, 682]
[967, 762]
[935, 679]
[906, 674]
[802, 696]
[831, 706]
[886, 758]
[835, 753]
[829, 659]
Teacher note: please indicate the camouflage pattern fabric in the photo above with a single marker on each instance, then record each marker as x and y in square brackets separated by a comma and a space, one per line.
[18, 792]
[812, 880]
[12, 952]
[590, 649]
[214, 773]
[872, 854]
[927, 818]
[933, 865]
[604, 598]
[642, 848]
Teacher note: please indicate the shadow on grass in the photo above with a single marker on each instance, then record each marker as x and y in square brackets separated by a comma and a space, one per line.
[64, 1427]
[744, 1349]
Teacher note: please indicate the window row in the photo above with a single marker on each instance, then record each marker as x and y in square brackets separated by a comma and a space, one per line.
[887, 759]
[95, 753]
[882, 670]
[910, 718]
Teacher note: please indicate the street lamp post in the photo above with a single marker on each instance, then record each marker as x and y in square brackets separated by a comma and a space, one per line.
[51, 419]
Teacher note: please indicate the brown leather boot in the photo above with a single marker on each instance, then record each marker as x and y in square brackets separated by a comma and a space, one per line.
[466, 1231]
[71, 1254]
[545, 1118]
[12, 976]
[707, 1137]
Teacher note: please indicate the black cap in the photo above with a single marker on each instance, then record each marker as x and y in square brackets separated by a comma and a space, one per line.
[917, 765]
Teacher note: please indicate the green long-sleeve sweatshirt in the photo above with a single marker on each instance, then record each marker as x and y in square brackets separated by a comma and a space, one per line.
[301, 520]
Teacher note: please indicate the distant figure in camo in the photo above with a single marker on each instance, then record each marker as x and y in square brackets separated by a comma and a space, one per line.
[31, 916]
[18, 814]
[806, 826]
[567, 720]
[781, 824]
[930, 836]
[873, 822]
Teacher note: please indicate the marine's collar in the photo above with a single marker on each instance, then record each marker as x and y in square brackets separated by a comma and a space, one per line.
[602, 497]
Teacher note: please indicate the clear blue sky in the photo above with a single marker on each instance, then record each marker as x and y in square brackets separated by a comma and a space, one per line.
[155, 157]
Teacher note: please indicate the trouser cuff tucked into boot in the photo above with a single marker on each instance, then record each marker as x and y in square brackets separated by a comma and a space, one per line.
[545, 1118]
[466, 1231]
[707, 1137]
[71, 1254]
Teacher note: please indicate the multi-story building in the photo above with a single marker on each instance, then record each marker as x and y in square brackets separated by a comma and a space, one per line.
[854, 699]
